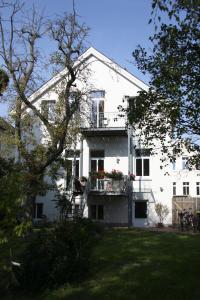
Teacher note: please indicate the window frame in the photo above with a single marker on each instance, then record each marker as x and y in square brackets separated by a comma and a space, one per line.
[174, 189]
[142, 155]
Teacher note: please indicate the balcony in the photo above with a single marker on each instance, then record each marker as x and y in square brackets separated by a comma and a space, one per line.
[105, 123]
[108, 186]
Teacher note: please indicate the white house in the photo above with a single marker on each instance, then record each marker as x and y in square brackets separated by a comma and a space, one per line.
[106, 144]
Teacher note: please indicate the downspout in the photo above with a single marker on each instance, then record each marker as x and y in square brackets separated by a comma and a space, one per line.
[130, 171]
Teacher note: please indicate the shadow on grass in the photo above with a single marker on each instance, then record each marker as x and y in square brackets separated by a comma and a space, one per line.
[136, 264]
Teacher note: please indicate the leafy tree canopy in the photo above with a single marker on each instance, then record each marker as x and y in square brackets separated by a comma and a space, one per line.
[171, 107]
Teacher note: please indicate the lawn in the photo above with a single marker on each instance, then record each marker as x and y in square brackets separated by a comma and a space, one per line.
[137, 264]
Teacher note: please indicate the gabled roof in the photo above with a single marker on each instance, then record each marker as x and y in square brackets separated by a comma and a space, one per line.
[91, 52]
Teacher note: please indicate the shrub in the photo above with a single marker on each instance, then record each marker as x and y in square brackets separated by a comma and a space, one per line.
[162, 211]
[57, 256]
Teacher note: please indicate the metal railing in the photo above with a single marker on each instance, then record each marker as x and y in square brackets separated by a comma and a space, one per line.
[107, 120]
[108, 185]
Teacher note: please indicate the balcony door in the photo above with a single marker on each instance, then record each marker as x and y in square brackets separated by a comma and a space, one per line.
[97, 164]
[97, 98]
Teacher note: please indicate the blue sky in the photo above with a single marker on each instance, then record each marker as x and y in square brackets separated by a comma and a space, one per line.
[116, 27]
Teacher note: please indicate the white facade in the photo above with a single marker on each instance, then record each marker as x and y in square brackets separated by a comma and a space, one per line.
[105, 144]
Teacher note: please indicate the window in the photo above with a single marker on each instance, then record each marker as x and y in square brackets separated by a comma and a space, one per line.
[174, 188]
[174, 165]
[38, 211]
[186, 189]
[100, 212]
[140, 209]
[71, 157]
[198, 188]
[184, 163]
[48, 109]
[97, 212]
[97, 115]
[142, 162]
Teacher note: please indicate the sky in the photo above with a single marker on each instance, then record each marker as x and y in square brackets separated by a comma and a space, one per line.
[116, 27]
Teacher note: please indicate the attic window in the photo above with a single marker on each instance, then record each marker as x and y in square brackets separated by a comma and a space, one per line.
[48, 109]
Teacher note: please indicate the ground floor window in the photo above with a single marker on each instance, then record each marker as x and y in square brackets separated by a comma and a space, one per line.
[174, 188]
[97, 212]
[38, 211]
[140, 209]
[198, 188]
[186, 189]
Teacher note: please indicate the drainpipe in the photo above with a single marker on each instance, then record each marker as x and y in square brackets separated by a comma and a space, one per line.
[81, 157]
[130, 170]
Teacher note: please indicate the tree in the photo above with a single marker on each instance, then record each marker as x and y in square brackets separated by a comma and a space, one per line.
[171, 107]
[19, 37]
[4, 80]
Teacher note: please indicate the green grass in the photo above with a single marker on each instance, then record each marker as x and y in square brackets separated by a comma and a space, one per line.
[137, 264]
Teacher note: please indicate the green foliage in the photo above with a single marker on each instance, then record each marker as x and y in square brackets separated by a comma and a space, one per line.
[57, 256]
[171, 107]
[162, 211]
[11, 187]
[4, 80]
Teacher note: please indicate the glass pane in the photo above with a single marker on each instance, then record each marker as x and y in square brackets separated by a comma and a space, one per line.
[146, 167]
[97, 94]
[97, 153]
[141, 210]
[100, 165]
[93, 165]
[77, 168]
[101, 106]
[100, 212]
[39, 210]
[93, 211]
[142, 152]
[69, 171]
[94, 113]
[139, 167]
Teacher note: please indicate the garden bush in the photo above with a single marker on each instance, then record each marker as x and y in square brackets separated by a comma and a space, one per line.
[56, 256]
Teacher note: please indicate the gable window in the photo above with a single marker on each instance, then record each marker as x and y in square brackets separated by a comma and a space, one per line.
[184, 163]
[48, 109]
[96, 212]
[142, 162]
[186, 189]
[198, 188]
[174, 188]
[38, 211]
[97, 114]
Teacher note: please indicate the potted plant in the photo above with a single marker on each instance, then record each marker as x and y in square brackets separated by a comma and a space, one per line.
[114, 174]
[132, 177]
[83, 180]
[162, 212]
[97, 174]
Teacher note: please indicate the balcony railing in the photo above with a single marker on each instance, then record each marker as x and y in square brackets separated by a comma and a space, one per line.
[107, 119]
[108, 185]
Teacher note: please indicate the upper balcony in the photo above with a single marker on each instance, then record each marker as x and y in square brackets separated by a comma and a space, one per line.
[105, 123]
